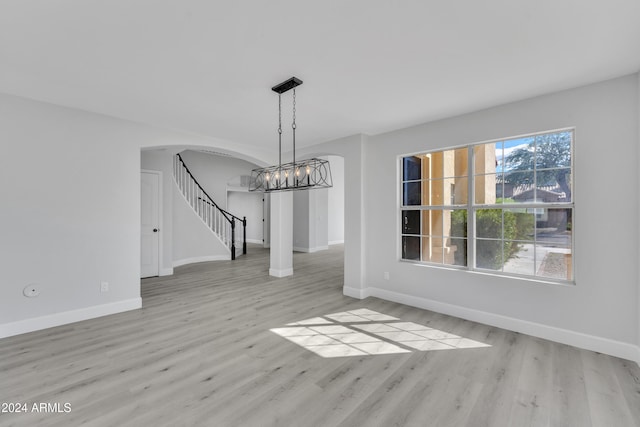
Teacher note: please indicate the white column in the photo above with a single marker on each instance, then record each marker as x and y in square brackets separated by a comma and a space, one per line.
[281, 234]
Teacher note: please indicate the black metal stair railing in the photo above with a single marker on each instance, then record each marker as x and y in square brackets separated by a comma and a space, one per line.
[220, 221]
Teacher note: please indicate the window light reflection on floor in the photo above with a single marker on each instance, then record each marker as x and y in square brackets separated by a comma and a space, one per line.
[366, 332]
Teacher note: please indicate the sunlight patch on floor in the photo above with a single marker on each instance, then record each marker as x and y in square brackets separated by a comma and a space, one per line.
[366, 332]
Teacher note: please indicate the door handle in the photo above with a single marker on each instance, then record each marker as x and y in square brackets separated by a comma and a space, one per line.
[155, 230]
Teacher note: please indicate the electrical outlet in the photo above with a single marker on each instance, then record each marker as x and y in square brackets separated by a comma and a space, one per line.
[386, 275]
[104, 287]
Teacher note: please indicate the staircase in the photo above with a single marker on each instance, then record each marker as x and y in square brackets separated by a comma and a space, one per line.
[222, 223]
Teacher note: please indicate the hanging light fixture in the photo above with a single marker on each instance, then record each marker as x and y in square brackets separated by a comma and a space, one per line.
[295, 175]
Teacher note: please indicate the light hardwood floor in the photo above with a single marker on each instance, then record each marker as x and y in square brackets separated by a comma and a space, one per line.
[201, 352]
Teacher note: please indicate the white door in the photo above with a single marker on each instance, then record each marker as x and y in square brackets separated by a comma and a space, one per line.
[266, 220]
[150, 224]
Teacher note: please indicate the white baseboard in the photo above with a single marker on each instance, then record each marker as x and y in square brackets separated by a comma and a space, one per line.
[166, 272]
[281, 273]
[310, 250]
[336, 242]
[355, 292]
[564, 336]
[65, 317]
[258, 241]
[186, 261]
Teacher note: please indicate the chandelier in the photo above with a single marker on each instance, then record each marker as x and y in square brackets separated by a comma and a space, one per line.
[295, 175]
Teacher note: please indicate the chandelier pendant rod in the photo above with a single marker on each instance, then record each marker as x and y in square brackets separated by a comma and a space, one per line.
[279, 175]
[293, 126]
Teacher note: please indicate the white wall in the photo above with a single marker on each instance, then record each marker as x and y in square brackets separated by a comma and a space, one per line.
[193, 240]
[248, 204]
[70, 213]
[310, 220]
[318, 209]
[335, 220]
[319, 214]
[601, 310]
[352, 149]
[70, 216]
[638, 162]
[213, 172]
[301, 221]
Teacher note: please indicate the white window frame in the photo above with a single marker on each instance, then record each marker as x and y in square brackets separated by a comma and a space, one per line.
[471, 207]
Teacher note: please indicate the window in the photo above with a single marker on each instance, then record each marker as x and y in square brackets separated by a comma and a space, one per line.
[504, 207]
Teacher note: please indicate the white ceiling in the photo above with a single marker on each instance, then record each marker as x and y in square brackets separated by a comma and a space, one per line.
[369, 66]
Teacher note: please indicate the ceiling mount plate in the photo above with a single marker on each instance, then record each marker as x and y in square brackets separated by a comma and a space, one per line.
[287, 85]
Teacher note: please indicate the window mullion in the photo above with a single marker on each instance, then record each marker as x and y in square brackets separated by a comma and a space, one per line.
[471, 220]
[421, 236]
[502, 239]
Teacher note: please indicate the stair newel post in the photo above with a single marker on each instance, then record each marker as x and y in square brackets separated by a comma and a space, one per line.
[244, 235]
[233, 239]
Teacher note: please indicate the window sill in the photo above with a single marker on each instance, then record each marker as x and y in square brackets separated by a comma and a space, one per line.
[530, 279]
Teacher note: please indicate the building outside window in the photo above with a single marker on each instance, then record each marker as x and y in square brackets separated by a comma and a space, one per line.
[503, 206]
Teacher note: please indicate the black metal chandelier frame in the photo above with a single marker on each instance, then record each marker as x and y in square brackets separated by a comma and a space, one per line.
[295, 175]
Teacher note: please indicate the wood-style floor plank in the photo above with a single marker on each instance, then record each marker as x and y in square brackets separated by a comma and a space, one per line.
[201, 351]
